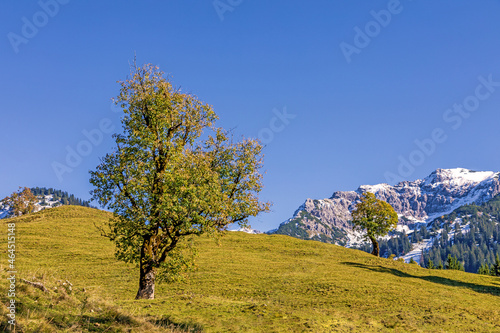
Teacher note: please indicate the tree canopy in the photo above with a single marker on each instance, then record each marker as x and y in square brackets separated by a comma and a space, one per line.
[172, 174]
[373, 217]
[21, 202]
[453, 263]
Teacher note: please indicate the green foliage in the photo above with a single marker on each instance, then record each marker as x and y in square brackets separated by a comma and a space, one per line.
[484, 269]
[179, 262]
[453, 264]
[244, 283]
[374, 217]
[495, 268]
[21, 202]
[430, 264]
[164, 182]
[413, 261]
[62, 196]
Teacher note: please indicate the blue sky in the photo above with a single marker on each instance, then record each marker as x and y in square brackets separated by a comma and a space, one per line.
[343, 93]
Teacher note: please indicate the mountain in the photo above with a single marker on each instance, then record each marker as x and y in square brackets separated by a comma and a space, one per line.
[47, 198]
[417, 203]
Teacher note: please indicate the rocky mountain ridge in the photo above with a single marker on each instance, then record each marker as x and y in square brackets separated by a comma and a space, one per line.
[416, 202]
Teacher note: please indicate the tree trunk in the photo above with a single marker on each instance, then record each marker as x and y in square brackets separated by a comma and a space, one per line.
[146, 278]
[146, 283]
[375, 251]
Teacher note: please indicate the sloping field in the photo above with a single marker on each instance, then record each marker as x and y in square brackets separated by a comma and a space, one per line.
[244, 283]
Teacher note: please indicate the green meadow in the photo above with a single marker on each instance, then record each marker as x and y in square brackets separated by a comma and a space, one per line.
[242, 283]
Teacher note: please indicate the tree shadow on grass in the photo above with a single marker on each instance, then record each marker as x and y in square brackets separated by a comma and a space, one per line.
[104, 323]
[167, 322]
[495, 291]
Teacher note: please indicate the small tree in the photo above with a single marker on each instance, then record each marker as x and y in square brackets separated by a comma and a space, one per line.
[484, 269]
[374, 217]
[430, 264]
[453, 263]
[21, 202]
[495, 268]
[164, 182]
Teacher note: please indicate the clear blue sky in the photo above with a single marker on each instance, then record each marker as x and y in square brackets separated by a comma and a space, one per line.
[359, 87]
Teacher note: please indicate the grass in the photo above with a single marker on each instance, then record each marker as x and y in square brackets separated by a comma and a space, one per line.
[67, 309]
[244, 283]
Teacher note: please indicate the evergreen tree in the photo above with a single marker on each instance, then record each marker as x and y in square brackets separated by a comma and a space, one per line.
[458, 233]
[406, 245]
[424, 232]
[484, 269]
[394, 243]
[444, 238]
[495, 269]
[430, 264]
[452, 263]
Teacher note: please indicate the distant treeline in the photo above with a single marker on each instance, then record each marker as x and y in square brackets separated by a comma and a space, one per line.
[63, 197]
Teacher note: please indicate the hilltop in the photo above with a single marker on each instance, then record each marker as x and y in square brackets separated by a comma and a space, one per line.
[244, 282]
[47, 198]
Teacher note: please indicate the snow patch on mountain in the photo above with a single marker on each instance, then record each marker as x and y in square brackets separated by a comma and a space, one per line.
[417, 251]
[248, 231]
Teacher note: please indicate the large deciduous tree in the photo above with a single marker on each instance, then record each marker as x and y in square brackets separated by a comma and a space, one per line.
[172, 174]
[21, 202]
[374, 217]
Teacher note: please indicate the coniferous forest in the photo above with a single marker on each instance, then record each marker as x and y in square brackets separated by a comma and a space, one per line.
[63, 197]
[471, 234]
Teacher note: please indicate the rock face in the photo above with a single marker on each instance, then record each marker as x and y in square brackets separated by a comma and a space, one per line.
[418, 201]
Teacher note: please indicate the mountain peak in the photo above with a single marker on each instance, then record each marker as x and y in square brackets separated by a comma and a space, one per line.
[459, 177]
[374, 188]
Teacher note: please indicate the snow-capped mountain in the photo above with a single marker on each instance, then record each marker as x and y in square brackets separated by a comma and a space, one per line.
[416, 202]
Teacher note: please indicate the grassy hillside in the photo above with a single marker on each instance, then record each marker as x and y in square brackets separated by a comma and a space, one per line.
[246, 283]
